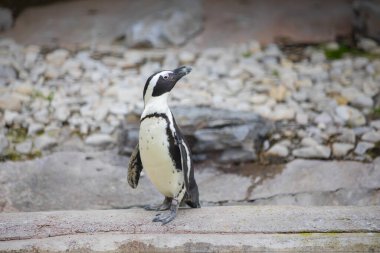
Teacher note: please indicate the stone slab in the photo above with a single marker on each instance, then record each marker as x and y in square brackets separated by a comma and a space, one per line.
[239, 228]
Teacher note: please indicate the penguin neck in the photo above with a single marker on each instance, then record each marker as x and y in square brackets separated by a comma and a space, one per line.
[156, 105]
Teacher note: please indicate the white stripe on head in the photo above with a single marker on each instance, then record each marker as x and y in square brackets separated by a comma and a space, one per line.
[152, 84]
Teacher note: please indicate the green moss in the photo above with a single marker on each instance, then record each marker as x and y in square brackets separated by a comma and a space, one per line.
[39, 94]
[17, 135]
[375, 114]
[344, 49]
[275, 73]
[11, 155]
[375, 151]
[247, 54]
[34, 154]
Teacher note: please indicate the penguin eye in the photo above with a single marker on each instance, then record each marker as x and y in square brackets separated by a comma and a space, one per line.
[166, 76]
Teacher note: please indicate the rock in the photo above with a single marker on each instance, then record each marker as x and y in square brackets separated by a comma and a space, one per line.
[320, 183]
[282, 112]
[173, 26]
[3, 143]
[62, 113]
[6, 19]
[373, 136]
[10, 102]
[309, 142]
[57, 58]
[318, 151]
[350, 115]
[362, 147]
[341, 149]
[323, 118]
[259, 99]
[302, 118]
[278, 93]
[24, 89]
[44, 142]
[7, 75]
[236, 155]
[362, 101]
[375, 124]
[346, 135]
[34, 128]
[367, 44]
[186, 57]
[24, 147]
[278, 150]
[100, 140]
[10, 117]
[119, 108]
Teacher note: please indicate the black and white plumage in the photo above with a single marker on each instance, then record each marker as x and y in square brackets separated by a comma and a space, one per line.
[162, 151]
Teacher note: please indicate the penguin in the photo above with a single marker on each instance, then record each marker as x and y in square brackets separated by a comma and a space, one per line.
[162, 150]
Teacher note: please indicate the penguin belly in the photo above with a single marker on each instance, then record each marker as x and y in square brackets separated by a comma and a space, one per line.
[156, 159]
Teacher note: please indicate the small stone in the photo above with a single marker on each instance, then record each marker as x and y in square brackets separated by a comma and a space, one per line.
[350, 115]
[44, 142]
[10, 117]
[347, 135]
[341, 149]
[362, 147]
[313, 152]
[57, 57]
[186, 57]
[35, 128]
[25, 89]
[375, 124]
[24, 147]
[278, 150]
[120, 108]
[62, 113]
[10, 102]
[100, 140]
[309, 142]
[259, 99]
[362, 101]
[282, 113]
[323, 118]
[302, 118]
[367, 44]
[372, 136]
[278, 93]
[3, 143]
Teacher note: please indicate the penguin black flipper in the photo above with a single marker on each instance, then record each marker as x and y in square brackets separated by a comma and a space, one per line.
[192, 194]
[134, 167]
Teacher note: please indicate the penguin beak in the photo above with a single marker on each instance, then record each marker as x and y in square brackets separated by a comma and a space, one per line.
[180, 72]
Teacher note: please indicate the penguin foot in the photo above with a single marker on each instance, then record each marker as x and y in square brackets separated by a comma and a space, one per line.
[167, 217]
[160, 207]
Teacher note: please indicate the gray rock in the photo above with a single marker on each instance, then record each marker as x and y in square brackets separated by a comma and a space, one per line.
[173, 26]
[62, 113]
[10, 102]
[236, 155]
[362, 147]
[3, 143]
[278, 150]
[350, 115]
[321, 183]
[341, 149]
[7, 74]
[309, 142]
[375, 124]
[186, 57]
[6, 19]
[318, 151]
[302, 118]
[362, 101]
[100, 140]
[45, 142]
[57, 58]
[24, 147]
[346, 135]
[34, 128]
[372, 136]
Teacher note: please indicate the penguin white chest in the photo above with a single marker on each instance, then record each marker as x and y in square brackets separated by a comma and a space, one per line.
[156, 158]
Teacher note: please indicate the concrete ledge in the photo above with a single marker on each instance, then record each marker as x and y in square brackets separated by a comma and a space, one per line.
[232, 228]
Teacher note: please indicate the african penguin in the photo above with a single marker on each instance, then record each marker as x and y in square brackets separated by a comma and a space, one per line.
[162, 151]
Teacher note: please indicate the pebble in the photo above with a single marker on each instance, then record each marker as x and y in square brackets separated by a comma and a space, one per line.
[309, 142]
[318, 151]
[57, 57]
[44, 142]
[350, 115]
[100, 140]
[259, 99]
[341, 149]
[302, 118]
[346, 135]
[278, 150]
[372, 136]
[362, 147]
[24, 147]
[186, 57]
[34, 128]
[10, 102]
[62, 113]
[282, 112]
[375, 124]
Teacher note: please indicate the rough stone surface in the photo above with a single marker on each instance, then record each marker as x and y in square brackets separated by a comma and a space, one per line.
[99, 140]
[44, 142]
[317, 151]
[172, 26]
[233, 228]
[341, 149]
[97, 180]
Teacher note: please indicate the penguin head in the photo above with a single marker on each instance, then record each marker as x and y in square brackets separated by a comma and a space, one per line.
[161, 83]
